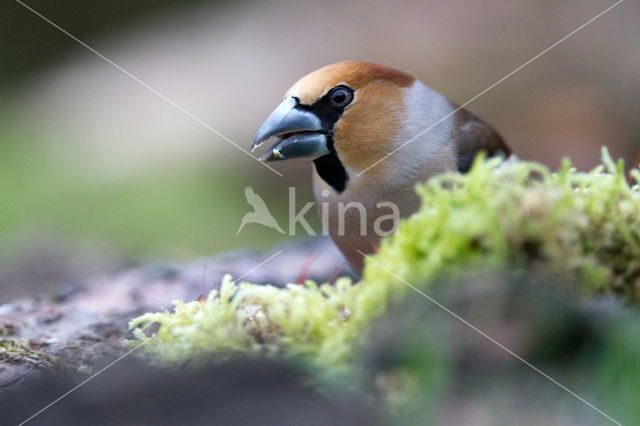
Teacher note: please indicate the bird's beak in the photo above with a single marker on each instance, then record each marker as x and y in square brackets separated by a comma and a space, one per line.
[301, 134]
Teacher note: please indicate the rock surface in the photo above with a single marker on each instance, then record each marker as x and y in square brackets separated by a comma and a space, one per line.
[80, 325]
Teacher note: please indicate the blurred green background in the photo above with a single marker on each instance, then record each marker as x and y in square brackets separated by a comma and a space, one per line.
[92, 162]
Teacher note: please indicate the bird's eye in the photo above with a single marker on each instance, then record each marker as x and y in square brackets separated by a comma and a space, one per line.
[341, 96]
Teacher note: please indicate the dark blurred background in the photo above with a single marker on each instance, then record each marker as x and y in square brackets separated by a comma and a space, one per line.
[95, 169]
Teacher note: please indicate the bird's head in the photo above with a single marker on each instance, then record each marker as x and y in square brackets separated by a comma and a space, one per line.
[344, 117]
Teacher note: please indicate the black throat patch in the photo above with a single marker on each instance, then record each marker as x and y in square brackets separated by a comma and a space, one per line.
[331, 170]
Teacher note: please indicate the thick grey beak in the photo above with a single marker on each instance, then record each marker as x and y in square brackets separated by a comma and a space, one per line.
[302, 135]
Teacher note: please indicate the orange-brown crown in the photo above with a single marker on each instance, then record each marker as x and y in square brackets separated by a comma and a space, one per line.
[355, 74]
[368, 126]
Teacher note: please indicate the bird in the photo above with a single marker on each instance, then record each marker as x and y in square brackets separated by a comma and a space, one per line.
[260, 213]
[372, 133]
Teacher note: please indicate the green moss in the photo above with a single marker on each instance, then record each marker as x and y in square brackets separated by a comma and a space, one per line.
[249, 319]
[584, 227]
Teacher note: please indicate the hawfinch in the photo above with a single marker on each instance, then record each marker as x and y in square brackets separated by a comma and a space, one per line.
[349, 119]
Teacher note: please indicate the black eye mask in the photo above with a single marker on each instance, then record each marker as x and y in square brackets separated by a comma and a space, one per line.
[329, 110]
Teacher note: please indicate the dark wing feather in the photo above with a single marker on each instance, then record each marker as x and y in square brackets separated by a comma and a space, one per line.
[473, 136]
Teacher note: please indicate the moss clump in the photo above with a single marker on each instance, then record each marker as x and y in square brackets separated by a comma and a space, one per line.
[582, 226]
[249, 319]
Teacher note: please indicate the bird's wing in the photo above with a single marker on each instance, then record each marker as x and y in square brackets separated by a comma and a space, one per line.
[474, 135]
[254, 200]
